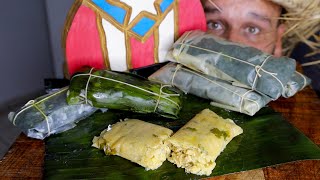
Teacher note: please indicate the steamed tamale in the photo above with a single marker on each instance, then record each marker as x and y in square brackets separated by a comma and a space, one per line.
[237, 63]
[222, 93]
[112, 90]
[197, 144]
[49, 114]
[137, 141]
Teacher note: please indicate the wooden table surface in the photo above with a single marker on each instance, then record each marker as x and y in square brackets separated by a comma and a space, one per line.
[25, 158]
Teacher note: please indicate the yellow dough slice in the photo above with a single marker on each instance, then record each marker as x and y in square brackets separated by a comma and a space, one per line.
[197, 144]
[137, 141]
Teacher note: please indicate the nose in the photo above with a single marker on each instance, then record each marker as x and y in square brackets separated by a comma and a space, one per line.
[234, 36]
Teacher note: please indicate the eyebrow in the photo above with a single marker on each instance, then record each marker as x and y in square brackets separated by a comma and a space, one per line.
[211, 10]
[260, 17]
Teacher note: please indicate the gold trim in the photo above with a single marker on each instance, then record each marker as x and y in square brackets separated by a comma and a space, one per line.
[126, 27]
[67, 25]
[176, 19]
[94, 7]
[103, 42]
[128, 49]
[156, 46]
[141, 15]
[158, 18]
[157, 6]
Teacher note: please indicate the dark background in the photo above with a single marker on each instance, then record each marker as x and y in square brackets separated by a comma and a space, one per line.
[30, 51]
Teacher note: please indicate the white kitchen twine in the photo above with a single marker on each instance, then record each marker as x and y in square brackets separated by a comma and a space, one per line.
[258, 68]
[86, 90]
[243, 96]
[160, 95]
[33, 104]
[174, 74]
[165, 94]
[182, 44]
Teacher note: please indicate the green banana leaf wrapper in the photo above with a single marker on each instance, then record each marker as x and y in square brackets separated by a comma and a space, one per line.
[241, 65]
[222, 93]
[49, 114]
[267, 139]
[297, 82]
[112, 90]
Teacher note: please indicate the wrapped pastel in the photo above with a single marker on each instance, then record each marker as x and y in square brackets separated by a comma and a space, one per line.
[222, 93]
[123, 91]
[239, 64]
[49, 114]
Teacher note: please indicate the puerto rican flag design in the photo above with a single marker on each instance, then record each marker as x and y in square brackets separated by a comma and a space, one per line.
[126, 34]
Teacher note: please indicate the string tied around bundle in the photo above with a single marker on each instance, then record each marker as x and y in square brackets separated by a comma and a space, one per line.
[257, 68]
[87, 85]
[163, 94]
[34, 104]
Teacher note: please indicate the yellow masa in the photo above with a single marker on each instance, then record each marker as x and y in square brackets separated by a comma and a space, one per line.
[197, 144]
[138, 141]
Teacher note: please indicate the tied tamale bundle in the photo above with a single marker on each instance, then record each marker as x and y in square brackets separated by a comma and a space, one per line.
[49, 114]
[242, 65]
[222, 93]
[112, 90]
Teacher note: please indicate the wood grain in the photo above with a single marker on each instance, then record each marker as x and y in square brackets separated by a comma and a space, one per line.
[303, 111]
[25, 158]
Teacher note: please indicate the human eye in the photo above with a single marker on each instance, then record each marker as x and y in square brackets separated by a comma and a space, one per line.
[215, 25]
[252, 30]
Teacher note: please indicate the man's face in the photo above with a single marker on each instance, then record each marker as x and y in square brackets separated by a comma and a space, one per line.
[250, 22]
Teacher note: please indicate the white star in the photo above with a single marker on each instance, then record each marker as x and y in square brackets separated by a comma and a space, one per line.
[140, 5]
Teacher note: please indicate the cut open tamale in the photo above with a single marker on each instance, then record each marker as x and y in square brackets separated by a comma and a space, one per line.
[197, 144]
[137, 141]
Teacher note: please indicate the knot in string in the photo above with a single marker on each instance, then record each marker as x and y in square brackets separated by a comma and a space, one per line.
[175, 73]
[259, 68]
[163, 95]
[182, 45]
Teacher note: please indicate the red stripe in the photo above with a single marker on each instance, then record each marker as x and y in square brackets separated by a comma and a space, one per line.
[83, 42]
[142, 54]
[191, 16]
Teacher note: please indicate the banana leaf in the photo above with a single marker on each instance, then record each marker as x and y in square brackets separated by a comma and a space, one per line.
[268, 139]
[49, 114]
[297, 82]
[222, 93]
[240, 64]
[123, 91]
